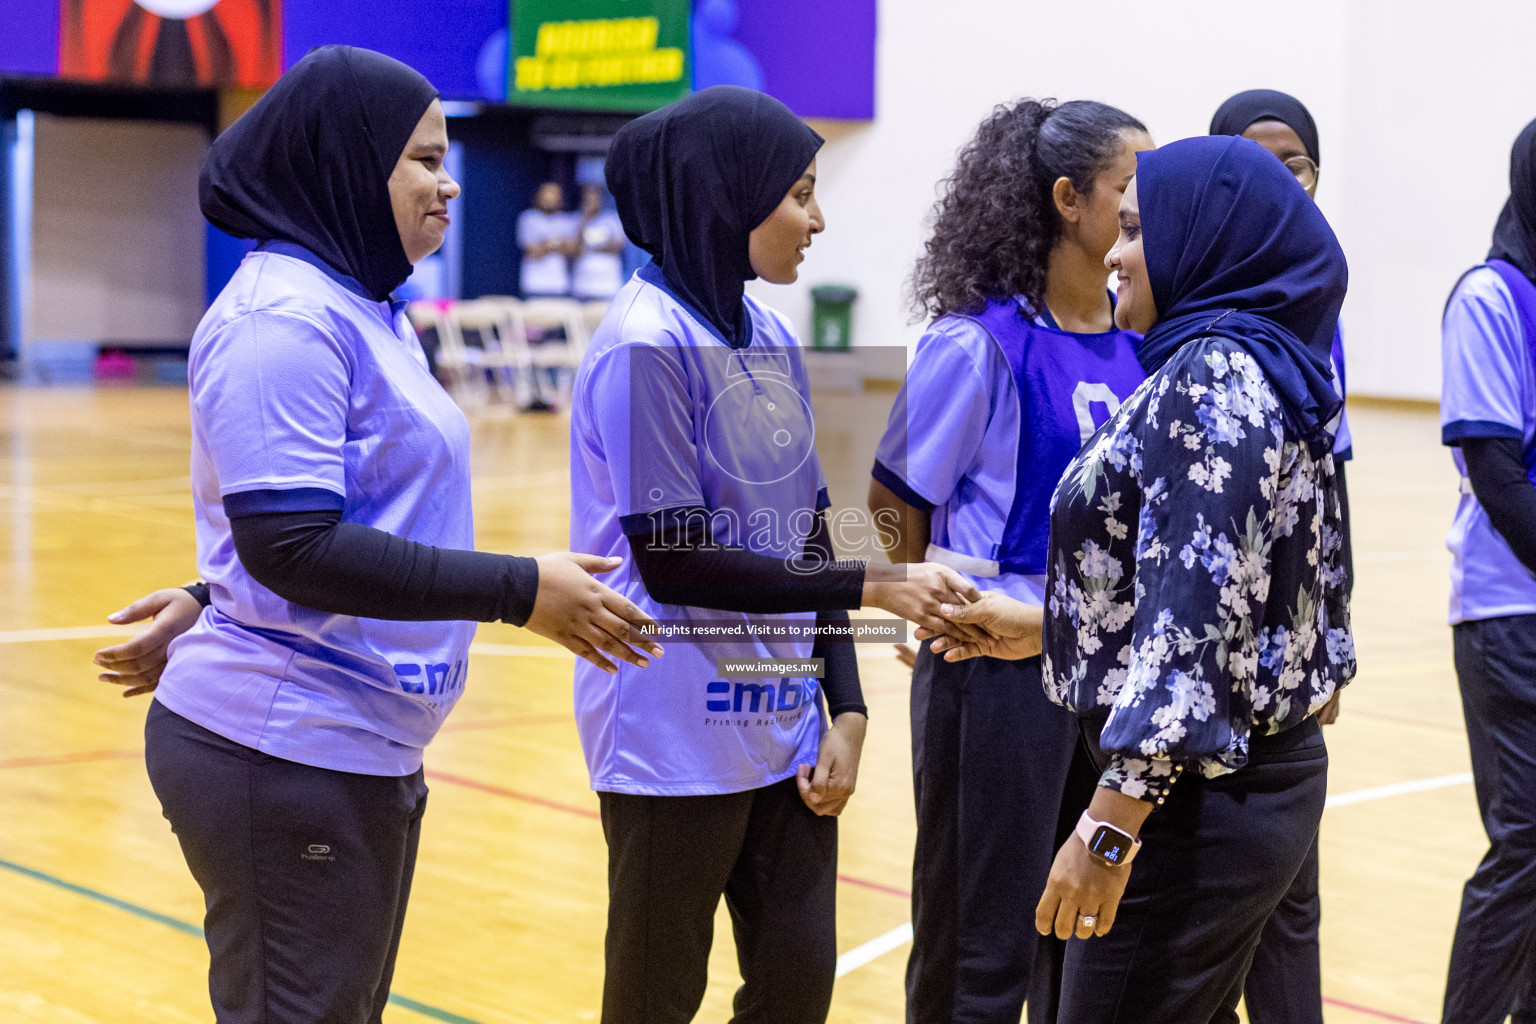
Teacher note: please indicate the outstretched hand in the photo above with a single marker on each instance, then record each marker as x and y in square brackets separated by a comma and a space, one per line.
[136, 665]
[584, 616]
[999, 626]
[916, 592]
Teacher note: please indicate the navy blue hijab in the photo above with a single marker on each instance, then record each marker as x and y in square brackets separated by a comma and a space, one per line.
[692, 180]
[1236, 248]
[1246, 109]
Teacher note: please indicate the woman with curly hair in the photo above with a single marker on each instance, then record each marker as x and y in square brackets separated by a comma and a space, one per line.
[1020, 364]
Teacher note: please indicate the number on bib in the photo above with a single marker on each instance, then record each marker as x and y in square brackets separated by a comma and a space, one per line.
[1084, 397]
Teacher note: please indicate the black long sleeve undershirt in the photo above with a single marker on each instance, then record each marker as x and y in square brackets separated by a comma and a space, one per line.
[679, 563]
[316, 560]
[1496, 467]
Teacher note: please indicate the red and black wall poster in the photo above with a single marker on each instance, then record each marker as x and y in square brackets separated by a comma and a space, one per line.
[172, 42]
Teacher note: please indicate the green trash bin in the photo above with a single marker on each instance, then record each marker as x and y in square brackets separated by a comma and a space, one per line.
[832, 316]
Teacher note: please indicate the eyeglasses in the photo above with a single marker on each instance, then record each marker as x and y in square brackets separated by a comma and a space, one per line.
[1304, 170]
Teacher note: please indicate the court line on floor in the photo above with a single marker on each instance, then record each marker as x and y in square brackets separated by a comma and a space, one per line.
[874, 949]
[453, 778]
[433, 775]
[894, 939]
[188, 928]
[898, 937]
[1371, 1011]
[848, 962]
[592, 814]
[1360, 796]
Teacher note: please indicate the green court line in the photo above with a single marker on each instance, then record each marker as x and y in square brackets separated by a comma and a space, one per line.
[187, 928]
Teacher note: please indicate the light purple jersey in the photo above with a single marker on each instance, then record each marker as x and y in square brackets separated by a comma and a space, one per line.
[1488, 389]
[665, 415]
[305, 393]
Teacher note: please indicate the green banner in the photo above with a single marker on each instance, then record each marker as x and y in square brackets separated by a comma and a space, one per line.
[599, 54]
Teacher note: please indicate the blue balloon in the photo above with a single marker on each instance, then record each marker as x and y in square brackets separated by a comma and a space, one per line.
[491, 66]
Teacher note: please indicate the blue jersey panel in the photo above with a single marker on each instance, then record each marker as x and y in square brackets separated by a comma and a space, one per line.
[1069, 386]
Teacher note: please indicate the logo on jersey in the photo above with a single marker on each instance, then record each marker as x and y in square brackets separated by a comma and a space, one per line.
[743, 696]
[759, 429]
[436, 679]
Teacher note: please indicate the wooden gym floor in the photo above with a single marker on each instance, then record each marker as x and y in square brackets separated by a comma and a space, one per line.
[98, 915]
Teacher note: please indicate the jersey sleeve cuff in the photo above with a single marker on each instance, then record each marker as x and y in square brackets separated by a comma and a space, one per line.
[638, 524]
[298, 499]
[899, 487]
[1455, 432]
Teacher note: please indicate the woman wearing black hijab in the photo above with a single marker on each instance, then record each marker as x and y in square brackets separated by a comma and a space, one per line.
[692, 450]
[331, 493]
[1488, 416]
[1285, 984]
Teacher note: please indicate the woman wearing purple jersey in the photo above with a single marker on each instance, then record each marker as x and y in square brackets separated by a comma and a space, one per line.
[331, 494]
[1021, 363]
[1488, 416]
[692, 456]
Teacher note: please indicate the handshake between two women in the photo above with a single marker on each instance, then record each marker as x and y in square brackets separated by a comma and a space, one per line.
[974, 623]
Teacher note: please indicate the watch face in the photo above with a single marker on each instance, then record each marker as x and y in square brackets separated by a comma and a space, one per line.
[1110, 844]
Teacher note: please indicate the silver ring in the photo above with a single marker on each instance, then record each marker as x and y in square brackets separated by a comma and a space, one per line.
[1087, 920]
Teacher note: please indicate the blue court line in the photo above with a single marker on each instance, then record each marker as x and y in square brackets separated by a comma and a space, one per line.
[187, 928]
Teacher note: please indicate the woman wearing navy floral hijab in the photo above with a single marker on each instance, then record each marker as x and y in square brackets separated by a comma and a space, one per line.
[1197, 615]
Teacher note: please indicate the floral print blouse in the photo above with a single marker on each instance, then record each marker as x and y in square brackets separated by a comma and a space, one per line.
[1197, 592]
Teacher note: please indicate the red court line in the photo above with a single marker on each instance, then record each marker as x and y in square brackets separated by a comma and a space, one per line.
[436, 776]
[864, 883]
[555, 805]
[78, 758]
[584, 812]
[1369, 1012]
[511, 794]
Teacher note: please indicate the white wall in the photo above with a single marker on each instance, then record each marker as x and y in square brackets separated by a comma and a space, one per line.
[117, 239]
[1416, 102]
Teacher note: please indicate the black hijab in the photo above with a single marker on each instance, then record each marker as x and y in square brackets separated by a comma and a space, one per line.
[692, 180]
[310, 163]
[1514, 236]
[1246, 108]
